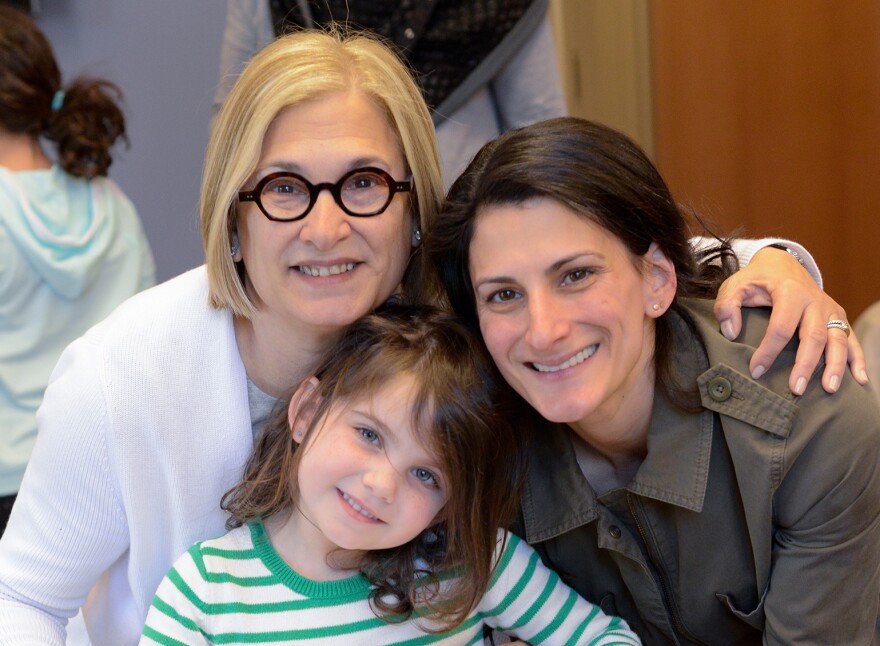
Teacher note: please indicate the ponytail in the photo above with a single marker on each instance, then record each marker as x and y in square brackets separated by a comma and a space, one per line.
[84, 120]
[84, 123]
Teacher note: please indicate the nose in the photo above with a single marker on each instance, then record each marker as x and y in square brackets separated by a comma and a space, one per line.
[326, 224]
[548, 321]
[381, 479]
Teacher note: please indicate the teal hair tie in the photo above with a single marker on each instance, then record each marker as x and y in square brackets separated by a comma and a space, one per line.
[57, 100]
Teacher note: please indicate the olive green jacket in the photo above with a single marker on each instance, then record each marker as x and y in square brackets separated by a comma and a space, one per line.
[756, 518]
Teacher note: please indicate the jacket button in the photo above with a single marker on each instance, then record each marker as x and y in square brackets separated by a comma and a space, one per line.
[614, 530]
[719, 389]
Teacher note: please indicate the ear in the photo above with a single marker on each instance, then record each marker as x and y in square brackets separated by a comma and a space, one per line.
[302, 408]
[660, 281]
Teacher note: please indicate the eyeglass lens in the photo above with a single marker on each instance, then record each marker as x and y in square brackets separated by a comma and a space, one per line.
[361, 193]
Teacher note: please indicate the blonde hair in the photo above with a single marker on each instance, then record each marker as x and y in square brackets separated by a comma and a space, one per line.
[296, 68]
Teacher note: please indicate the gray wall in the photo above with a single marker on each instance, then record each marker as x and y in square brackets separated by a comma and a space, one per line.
[164, 55]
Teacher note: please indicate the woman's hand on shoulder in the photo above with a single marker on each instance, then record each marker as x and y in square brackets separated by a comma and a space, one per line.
[774, 278]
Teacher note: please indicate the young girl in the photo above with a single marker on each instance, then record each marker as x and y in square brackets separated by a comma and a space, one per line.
[369, 509]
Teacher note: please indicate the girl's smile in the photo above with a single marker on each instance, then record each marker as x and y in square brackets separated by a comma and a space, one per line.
[360, 512]
[365, 480]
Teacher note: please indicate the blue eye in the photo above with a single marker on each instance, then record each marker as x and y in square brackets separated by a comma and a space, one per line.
[423, 475]
[369, 435]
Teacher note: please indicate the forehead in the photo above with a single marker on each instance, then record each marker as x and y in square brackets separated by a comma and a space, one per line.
[335, 131]
[404, 403]
[535, 228]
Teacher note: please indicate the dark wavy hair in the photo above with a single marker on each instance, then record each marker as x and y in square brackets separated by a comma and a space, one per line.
[600, 174]
[460, 411]
[86, 124]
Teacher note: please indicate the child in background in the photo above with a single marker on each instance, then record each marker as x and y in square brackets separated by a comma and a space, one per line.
[369, 510]
[72, 246]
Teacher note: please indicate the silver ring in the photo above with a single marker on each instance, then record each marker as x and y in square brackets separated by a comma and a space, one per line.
[838, 324]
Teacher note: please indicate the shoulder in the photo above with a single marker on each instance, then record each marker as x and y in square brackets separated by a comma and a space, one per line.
[173, 308]
[162, 336]
[843, 427]
[112, 196]
[205, 558]
[514, 557]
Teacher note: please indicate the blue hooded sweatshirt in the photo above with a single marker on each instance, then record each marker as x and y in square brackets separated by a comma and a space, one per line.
[71, 250]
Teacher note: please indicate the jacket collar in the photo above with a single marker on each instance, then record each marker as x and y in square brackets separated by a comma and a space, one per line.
[557, 497]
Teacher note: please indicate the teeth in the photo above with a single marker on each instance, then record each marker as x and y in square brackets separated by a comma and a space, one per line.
[581, 356]
[357, 507]
[326, 271]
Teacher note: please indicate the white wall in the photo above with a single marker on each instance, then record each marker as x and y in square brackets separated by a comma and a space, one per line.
[164, 55]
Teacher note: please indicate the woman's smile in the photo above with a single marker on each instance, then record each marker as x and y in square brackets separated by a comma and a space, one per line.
[577, 359]
[325, 270]
[562, 308]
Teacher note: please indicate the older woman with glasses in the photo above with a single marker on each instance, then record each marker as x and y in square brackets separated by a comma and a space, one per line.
[321, 175]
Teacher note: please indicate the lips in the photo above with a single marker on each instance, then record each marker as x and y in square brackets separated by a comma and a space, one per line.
[580, 357]
[325, 270]
[358, 508]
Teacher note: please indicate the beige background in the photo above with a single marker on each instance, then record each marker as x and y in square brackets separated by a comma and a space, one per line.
[764, 116]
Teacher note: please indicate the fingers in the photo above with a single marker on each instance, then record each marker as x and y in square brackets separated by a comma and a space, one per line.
[784, 320]
[836, 353]
[798, 306]
[729, 315]
[816, 341]
[857, 363]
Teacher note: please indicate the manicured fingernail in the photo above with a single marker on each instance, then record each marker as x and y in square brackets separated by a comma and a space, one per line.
[863, 377]
[834, 383]
[727, 330]
[758, 371]
[800, 386]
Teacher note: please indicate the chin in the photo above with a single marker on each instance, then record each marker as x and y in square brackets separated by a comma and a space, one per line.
[561, 413]
[337, 315]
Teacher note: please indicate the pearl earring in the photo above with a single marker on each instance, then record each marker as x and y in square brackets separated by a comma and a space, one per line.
[234, 249]
[656, 307]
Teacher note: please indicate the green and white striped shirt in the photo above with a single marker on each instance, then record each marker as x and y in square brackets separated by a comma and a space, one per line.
[237, 590]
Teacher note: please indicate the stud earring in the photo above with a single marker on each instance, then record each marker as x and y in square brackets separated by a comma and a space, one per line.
[656, 307]
[416, 237]
[299, 433]
[234, 249]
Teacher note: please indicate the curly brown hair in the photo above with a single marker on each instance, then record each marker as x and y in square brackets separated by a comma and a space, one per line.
[84, 121]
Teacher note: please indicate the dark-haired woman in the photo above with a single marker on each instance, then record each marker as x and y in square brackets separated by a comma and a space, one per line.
[71, 243]
[667, 483]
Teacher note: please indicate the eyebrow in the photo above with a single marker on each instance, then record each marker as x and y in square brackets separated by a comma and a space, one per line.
[296, 168]
[388, 431]
[552, 269]
[376, 421]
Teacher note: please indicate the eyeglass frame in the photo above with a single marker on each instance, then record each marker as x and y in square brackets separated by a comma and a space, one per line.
[335, 188]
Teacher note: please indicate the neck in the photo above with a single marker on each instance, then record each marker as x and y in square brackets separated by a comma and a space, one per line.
[621, 437]
[618, 429]
[305, 549]
[276, 357]
[22, 152]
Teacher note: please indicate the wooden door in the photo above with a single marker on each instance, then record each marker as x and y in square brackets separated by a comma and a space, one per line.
[767, 114]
